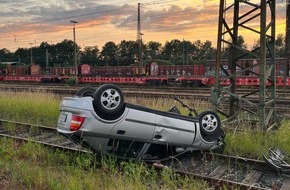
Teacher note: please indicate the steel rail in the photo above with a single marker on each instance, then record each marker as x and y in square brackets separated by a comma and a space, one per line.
[47, 136]
[36, 133]
[241, 91]
[251, 170]
[283, 104]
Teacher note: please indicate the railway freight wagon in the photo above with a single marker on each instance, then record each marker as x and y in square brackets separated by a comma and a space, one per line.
[23, 73]
[140, 71]
[113, 71]
[150, 74]
[62, 71]
[21, 70]
[210, 66]
[181, 70]
[15, 70]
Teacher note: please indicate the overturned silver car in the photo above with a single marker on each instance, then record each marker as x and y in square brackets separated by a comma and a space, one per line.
[101, 120]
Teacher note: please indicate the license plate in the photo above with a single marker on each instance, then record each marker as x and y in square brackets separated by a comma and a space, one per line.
[62, 117]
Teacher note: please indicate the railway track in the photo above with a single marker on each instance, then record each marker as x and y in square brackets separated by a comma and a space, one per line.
[283, 102]
[170, 88]
[137, 90]
[232, 172]
[44, 135]
[218, 170]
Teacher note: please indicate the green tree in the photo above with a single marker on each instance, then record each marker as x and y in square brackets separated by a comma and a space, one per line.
[23, 54]
[109, 54]
[90, 55]
[39, 54]
[128, 52]
[189, 53]
[280, 46]
[5, 55]
[172, 51]
[63, 53]
[153, 49]
[229, 47]
[203, 51]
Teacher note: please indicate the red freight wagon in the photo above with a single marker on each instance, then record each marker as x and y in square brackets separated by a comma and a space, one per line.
[35, 70]
[115, 71]
[139, 70]
[181, 70]
[62, 71]
[199, 70]
[21, 70]
[85, 69]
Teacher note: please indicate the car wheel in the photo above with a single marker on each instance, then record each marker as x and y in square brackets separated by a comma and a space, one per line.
[86, 91]
[109, 99]
[210, 123]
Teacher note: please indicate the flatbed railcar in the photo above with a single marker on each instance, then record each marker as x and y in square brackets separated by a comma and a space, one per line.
[153, 74]
[144, 75]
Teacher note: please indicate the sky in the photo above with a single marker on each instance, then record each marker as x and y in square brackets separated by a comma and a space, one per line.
[27, 23]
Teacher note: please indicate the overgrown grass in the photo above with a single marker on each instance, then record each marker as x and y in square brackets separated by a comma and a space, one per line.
[31, 107]
[43, 108]
[31, 166]
[255, 144]
[166, 103]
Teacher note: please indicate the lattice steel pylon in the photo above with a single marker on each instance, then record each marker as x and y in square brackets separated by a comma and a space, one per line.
[139, 36]
[236, 17]
[287, 40]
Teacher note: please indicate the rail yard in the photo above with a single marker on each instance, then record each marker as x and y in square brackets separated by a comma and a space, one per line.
[139, 114]
[220, 171]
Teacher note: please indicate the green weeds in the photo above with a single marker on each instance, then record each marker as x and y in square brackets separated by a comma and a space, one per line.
[31, 107]
[31, 166]
[255, 144]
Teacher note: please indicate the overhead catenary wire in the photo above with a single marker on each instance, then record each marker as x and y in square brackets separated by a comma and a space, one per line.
[127, 23]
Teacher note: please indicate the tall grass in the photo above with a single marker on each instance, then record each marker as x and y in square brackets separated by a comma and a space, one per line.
[43, 108]
[255, 144]
[31, 107]
[31, 166]
[167, 103]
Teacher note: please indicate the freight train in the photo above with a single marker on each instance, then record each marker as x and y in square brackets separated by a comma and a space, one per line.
[151, 74]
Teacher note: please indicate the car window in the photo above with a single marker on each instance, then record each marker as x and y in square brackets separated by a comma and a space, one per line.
[124, 148]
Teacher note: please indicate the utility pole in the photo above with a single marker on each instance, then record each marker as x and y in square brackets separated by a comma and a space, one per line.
[75, 47]
[31, 55]
[46, 57]
[228, 33]
[139, 37]
[287, 43]
[183, 48]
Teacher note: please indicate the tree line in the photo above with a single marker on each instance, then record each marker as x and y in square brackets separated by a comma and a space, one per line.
[174, 52]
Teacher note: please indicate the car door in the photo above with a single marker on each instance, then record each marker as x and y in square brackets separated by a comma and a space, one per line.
[138, 125]
[174, 129]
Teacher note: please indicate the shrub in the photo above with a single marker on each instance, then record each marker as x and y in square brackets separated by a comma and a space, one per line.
[72, 81]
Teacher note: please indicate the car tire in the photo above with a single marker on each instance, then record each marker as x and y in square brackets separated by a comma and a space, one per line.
[108, 99]
[210, 123]
[86, 91]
